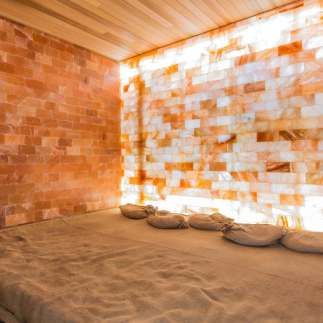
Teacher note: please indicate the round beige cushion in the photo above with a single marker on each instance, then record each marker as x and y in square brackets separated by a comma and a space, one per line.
[216, 221]
[136, 212]
[304, 241]
[168, 221]
[257, 235]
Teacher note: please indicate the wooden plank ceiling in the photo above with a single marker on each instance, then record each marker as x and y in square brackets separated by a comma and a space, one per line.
[120, 29]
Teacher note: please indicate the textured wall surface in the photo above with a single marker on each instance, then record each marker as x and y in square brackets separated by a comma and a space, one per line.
[231, 119]
[59, 127]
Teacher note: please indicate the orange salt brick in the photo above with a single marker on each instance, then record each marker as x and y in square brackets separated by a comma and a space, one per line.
[81, 208]
[38, 38]
[175, 93]
[247, 196]
[171, 69]
[305, 145]
[26, 149]
[179, 166]
[63, 142]
[157, 104]
[208, 104]
[204, 184]
[18, 218]
[291, 199]
[42, 205]
[232, 90]
[14, 139]
[254, 87]
[221, 130]
[36, 85]
[265, 54]
[170, 117]
[178, 124]
[142, 174]
[295, 134]
[245, 176]
[278, 167]
[303, 56]
[225, 195]
[289, 92]
[184, 183]
[217, 166]
[125, 88]
[312, 88]
[185, 166]
[290, 48]
[31, 121]
[265, 136]
[245, 59]
[314, 178]
[139, 83]
[254, 196]
[7, 68]
[197, 132]
[159, 182]
[222, 148]
[164, 142]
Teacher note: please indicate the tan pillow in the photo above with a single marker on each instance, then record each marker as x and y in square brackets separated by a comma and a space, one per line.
[257, 235]
[216, 221]
[304, 241]
[168, 221]
[136, 212]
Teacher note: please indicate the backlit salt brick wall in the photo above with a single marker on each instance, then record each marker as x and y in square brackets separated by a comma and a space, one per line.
[59, 127]
[231, 120]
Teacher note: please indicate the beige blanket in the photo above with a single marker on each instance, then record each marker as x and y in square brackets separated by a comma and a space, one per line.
[105, 268]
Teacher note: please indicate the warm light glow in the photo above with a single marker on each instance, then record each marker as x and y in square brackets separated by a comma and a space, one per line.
[126, 73]
[243, 81]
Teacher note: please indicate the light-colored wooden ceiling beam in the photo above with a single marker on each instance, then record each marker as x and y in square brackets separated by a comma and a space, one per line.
[120, 29]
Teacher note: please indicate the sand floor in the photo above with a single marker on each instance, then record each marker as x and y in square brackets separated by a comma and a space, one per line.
[102, 267]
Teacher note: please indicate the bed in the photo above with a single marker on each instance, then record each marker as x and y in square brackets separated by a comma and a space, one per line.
[102, 267]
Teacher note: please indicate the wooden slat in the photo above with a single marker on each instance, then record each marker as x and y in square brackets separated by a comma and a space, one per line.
[113, 24]
[147, 26]
[31, 17]
[142, 7]
[124, 28]
[83, 21]
[68, 12]
[113, 14]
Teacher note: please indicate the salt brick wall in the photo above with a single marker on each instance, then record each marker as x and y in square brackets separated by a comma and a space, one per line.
[231, 120]
[59, 127]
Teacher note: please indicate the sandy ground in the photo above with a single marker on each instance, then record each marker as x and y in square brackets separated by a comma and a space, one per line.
[102, 267]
